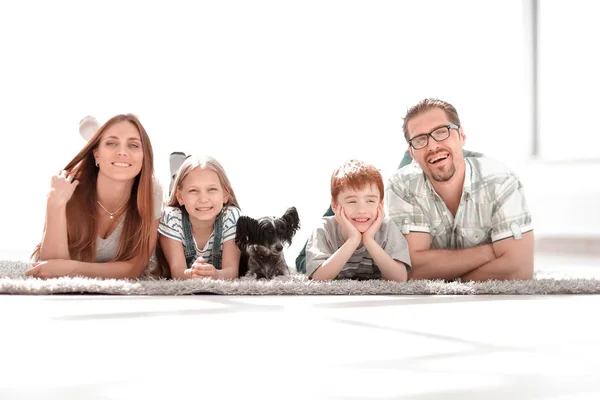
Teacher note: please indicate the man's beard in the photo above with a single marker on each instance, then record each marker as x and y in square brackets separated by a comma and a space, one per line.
[443, 175]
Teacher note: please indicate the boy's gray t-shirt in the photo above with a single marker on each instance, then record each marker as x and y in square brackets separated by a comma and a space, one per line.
[327, 239]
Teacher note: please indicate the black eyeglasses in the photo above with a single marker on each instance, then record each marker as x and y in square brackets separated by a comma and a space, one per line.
[438, 134]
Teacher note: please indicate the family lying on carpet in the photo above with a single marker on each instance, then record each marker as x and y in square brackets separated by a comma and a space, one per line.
[451, 214]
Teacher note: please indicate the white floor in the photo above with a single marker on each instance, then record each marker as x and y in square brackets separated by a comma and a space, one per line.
[300, 347]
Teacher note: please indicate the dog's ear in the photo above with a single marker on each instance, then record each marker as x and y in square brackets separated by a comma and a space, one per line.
[246, 230]
[292, 221]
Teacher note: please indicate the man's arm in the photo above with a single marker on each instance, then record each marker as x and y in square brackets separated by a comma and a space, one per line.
[514, 261]
[413, 221]
[512, 235]
[442, 263]
[506, 259]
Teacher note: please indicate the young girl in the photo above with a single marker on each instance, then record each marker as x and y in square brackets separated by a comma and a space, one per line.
[103, 209]
[197, 228]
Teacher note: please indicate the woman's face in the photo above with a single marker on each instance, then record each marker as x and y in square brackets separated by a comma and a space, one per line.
[119, 154]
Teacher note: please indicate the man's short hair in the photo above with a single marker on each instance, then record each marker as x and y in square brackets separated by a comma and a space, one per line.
[426, 105]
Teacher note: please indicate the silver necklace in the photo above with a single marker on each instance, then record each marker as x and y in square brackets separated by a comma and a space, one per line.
[110, 213]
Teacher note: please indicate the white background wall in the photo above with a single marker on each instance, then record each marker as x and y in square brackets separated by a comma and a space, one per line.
[564, 186]
[280, 92]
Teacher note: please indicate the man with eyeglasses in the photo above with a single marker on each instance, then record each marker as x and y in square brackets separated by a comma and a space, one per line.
[463, 217]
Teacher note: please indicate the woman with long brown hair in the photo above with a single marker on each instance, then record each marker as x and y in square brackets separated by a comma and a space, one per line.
[103, 209]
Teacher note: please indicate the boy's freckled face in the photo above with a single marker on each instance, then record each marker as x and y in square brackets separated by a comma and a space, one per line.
[360, 206]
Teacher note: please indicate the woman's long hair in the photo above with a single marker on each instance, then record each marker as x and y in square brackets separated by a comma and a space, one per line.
[82, 221]
[189, 164]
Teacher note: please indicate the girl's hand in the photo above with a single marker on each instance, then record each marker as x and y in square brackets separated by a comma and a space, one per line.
[50, 269]
[349, 231]
[370, 233]
[200, 269]
[61, 189]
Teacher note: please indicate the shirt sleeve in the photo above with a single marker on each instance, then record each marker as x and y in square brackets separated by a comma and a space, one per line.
[404, 210]
[319, 248]
[171, 224]
[511, 216]
[229, 224]
[396, 246]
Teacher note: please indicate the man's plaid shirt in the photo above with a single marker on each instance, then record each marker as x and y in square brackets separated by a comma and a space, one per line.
[492, 206]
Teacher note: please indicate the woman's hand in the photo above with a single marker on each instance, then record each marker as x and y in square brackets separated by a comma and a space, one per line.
[51, 269]
[61, 189]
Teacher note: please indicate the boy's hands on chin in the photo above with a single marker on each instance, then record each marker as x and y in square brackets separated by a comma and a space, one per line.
[369, 234]
[349, 231]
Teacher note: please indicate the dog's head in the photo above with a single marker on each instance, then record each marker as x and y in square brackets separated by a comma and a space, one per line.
[270, 233]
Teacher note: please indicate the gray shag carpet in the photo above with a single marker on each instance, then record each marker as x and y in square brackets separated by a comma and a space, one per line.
[13, 281]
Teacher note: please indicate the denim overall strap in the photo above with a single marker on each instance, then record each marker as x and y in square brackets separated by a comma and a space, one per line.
[218, 233]
[189, 247]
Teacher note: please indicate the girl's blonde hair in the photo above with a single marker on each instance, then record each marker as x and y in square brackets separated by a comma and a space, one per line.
[202, 162]
[82, 223]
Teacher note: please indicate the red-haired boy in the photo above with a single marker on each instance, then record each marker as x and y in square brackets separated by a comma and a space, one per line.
[359, 242]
